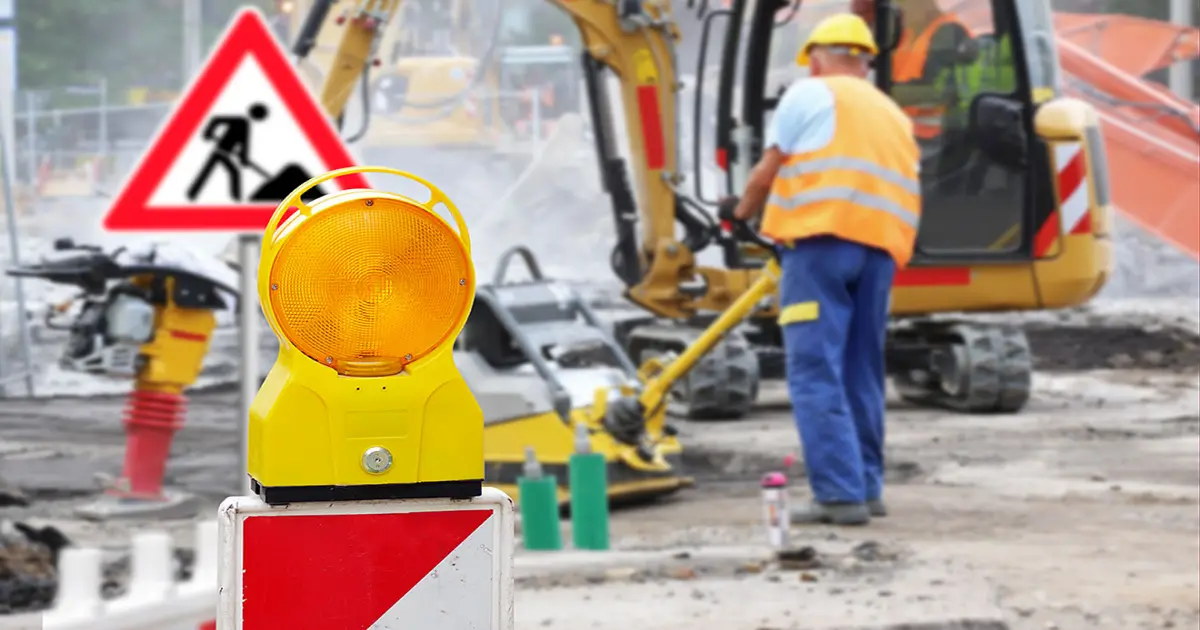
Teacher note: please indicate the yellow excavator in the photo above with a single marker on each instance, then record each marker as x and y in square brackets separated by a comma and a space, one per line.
[1009, 230]
[447, 74]
[1017, 213]
[540, 361]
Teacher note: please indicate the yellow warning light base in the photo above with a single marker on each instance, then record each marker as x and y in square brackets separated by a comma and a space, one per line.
[367, 291]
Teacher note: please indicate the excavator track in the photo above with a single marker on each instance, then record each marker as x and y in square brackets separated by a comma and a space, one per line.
[723, 385]
[969, 368]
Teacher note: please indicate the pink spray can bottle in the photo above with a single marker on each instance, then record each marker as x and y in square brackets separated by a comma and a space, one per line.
[775, 506]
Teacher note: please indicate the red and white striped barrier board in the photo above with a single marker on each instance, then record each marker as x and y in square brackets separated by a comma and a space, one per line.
[430, 564]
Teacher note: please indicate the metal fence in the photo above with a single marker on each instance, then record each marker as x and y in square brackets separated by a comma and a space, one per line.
[16, 359]
[98, 143]
[94, 141]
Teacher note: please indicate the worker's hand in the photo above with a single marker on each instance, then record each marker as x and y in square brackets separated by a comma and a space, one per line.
[725, 208]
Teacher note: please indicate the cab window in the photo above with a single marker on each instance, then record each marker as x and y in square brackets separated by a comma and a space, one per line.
[949, 55]
[950, 52]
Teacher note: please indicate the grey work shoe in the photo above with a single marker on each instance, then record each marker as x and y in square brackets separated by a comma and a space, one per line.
[877, 508]
[831, 514]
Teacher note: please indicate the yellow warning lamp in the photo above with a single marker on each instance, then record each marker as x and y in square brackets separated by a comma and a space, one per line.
[367, 291]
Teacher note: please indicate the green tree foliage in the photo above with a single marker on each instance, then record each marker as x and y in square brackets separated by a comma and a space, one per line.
[131, 43]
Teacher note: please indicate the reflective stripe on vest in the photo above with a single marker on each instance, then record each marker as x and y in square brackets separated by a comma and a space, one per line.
[863, 187]
[909, 184]
[848, 195]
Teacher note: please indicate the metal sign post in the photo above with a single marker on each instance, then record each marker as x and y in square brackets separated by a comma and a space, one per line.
[248, 340]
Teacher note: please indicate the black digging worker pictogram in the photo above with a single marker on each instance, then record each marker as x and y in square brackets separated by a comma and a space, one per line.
[230, 137]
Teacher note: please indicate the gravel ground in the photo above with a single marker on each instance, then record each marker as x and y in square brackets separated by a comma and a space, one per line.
[1077, 514]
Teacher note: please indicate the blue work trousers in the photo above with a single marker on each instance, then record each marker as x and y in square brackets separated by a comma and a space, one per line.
[835, 361]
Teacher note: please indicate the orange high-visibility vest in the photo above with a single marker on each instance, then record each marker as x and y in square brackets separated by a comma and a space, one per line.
[863, 187]
[908, 64]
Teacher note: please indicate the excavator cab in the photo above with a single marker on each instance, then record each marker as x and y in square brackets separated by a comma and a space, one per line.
[1014, 179]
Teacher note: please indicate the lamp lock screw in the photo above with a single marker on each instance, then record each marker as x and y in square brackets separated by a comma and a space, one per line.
[377, 460]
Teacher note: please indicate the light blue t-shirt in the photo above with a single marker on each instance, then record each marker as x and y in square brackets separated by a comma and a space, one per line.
[805, 119]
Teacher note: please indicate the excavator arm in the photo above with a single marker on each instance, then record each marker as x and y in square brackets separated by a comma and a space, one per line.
[365, 23]
[636, 41]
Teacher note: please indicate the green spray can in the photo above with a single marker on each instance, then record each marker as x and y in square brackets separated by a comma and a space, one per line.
[588, 481]
[538, 494]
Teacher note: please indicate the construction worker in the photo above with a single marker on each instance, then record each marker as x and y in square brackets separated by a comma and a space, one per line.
[931, 45]
[990, 68]
[839, 181]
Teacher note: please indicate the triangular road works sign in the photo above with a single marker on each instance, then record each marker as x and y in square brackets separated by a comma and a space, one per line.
[245, 134]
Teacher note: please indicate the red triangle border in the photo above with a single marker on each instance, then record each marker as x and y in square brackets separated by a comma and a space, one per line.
[247, 35]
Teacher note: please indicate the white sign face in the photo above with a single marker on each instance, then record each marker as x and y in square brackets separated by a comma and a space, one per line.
[244, 137]
[455, 593]
[248, 144]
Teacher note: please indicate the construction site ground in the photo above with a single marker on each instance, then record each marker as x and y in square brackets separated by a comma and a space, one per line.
[1079, 513]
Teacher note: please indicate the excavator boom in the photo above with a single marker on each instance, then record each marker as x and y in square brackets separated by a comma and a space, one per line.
[636, 42]
[365, 25]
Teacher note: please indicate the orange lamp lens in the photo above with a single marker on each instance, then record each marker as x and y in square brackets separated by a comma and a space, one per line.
[367, 289]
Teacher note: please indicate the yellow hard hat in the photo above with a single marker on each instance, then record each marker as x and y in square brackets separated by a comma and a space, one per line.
[843, 29]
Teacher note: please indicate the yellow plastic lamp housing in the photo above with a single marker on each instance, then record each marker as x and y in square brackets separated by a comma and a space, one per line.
[366, 291]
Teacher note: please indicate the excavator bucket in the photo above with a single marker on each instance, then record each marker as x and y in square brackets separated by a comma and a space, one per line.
[1134, 45]
[1152, 137]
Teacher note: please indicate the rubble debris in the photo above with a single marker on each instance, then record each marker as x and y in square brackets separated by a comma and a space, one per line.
[1071, 348]
[28, 561]
[799, 559]
[1148, 267]
[871, 551]
[682, 573]
[12, 496]
[116, 572]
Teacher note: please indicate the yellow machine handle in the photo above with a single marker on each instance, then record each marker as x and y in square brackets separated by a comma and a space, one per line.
[655, 390]
[436, 196]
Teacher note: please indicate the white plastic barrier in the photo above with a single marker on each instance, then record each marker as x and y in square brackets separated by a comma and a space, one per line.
[153, 601]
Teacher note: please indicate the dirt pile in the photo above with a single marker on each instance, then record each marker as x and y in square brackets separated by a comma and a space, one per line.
[1147, 333]
[1148, 267]
[1078, 348]
[28, 557]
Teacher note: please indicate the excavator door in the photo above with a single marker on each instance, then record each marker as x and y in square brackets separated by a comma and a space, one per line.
[989, 180]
